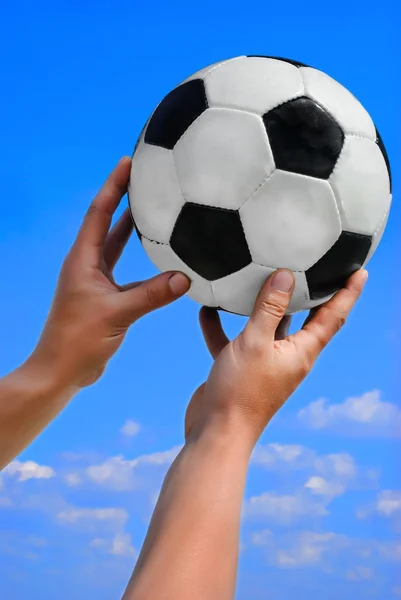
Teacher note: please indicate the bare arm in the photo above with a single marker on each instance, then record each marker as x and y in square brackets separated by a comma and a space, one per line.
[29, 399]
[87, 323]
[191, 550]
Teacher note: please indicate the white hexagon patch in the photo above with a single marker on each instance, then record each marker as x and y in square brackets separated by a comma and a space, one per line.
[254, 84]
[361, 184]
[291, 221]
[222, 158]
[154, 193]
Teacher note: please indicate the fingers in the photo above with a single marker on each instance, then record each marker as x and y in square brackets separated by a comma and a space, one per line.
[149, 295]
[326, 320]
[117, 239]
[283, 328]
[212, 330]
[271, 305]
[98, 218]
[129, 286]
[310, 316]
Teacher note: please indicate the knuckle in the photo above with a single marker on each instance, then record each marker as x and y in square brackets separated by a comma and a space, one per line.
[152, 296]
[337, 317]
[67, 273]
[252, 344]
[66, 266]
[305, 367]
[92, 210]
[257, 347]
[339, 321]
[320, 335]
[273, 306]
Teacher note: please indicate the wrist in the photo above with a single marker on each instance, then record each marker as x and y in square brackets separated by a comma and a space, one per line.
[60, 363]
[46, 376]
[225, 432]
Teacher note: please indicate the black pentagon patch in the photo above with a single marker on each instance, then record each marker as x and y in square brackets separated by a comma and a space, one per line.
[331, 272]
[382, 147]
[211, 241]
[304, 138]
[179, 109]
[288, 60]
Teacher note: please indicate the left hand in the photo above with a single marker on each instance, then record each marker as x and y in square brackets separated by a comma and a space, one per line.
[254, 375]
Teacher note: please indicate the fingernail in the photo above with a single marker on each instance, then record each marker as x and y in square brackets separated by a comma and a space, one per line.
[283, 281]
[179, 284]
[365, 275]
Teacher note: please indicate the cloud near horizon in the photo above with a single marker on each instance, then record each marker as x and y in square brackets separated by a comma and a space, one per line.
[366, 415]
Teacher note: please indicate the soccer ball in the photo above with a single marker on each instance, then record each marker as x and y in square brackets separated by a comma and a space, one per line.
[258, 163]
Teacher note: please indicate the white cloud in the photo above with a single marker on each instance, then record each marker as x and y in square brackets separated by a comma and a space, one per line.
[158, 458]
[4, 500]
[277, 456]
[122, 545]
[29, 470]
[262, 538]
[388, 503]
[331, 552]
[326, 476]
[16, 544]
[73, 515]
[359, 573]
[280, 458]
[308, 550]
[119, 545]
[283, 509]
[118, 473]
[115, 473]
[72, 479]
[98, 543]
[300, 549]
[366, 414]
[321, 487]
[111, 522]
[339, 465]
[78, 457]
[130, 428]
[390, 551]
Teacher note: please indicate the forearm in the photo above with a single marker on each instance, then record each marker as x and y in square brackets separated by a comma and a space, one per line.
[30, 398]
[191, 550]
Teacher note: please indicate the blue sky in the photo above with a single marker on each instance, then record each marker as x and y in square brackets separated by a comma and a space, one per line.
[78, 82]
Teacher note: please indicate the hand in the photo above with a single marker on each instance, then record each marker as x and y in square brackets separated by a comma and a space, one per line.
[255, 374]
[91, 313]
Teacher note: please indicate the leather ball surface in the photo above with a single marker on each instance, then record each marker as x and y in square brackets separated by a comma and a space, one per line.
[258, 163]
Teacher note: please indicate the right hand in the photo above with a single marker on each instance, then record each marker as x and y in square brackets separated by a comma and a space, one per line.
[255, 374]
[91, 313]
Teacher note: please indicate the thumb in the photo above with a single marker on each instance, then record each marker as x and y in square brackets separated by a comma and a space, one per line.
[152, 294]
[271, 304]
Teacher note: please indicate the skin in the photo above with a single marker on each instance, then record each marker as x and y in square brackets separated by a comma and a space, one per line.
[88, 320]
[191, 549]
